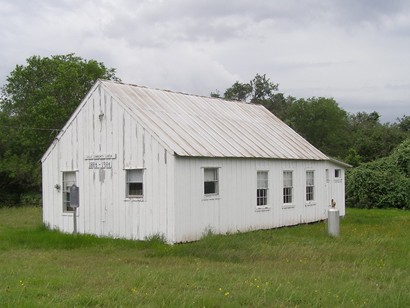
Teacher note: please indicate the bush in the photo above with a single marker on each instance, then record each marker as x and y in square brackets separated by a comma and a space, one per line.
[401, 158]
[8, 199]
[382, 183]
[30, 199]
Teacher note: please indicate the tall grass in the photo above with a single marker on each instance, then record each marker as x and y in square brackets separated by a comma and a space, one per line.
[367, 266]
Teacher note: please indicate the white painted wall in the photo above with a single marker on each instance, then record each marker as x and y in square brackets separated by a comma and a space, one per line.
[174, 203]
[235, 208]
[104, 210]
[336, 187]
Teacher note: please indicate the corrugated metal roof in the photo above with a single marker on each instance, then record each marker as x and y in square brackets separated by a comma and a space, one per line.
[212, 127]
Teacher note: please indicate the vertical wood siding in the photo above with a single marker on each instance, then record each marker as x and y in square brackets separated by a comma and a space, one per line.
[235, 208]
[104, 209]
[174, 204]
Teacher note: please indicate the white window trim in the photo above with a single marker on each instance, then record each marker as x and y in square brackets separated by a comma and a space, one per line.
[310, 202]
[213, 196]
[266, 207]
[291, 204]
[75, 171]
[339, 171]
[338, 179]
[142, 198]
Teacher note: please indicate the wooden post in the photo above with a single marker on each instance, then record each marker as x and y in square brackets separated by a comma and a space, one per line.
[75, 220]
[74, 203]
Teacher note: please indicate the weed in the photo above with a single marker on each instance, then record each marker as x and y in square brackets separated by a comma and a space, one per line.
[367, 266]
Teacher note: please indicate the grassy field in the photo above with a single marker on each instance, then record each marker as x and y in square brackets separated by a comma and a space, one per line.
[367, 266]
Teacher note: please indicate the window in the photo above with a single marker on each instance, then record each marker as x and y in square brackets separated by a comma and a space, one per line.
[262, 188]
[338, 173]
[287, 186]
[135, 183]
[310, 185]
[69, 179]
[211, 186]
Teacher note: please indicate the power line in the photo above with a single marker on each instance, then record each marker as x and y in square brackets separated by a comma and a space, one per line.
[31, 128]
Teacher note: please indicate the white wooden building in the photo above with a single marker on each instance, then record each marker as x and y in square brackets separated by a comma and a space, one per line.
[153, 162]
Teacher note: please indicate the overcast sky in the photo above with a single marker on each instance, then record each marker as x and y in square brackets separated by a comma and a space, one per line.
[356, 51]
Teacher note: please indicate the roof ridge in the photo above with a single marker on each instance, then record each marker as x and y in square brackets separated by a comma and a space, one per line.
[176, 92]
[239, 130]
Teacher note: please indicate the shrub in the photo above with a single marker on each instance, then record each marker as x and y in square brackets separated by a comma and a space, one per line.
[157, 238]
[8, 199]
[382, 183]
[30, 199]
[402, 158]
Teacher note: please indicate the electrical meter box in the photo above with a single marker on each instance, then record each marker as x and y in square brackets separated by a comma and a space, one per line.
[74, 196]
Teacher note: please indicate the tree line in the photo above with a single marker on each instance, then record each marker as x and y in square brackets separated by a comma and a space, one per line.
[379, 152]
[35, 103]
[39, 97]
[352, 137]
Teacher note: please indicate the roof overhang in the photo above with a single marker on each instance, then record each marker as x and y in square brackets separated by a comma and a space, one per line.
[340, 163]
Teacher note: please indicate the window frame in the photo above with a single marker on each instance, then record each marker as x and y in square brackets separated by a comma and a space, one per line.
[263, 188]
[216, 180]
[338, 173]
[66, 190]
[128, 181]
[287, 198]
[310, 193]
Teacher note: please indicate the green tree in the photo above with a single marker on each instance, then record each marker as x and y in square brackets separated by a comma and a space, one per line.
[260, 90]
[372, 139]
[322, 122]
[264, 92]
[382, 183]
[256, 91]
[36, 101]
[238, 91]
[404, 123]
[279, 105]
[216, 94]
[355, 138]
[353, 158]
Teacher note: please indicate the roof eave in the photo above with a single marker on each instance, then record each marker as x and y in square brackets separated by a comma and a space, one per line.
[340, 163]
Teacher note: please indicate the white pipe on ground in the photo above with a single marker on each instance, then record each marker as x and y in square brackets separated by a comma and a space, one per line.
[333, 222]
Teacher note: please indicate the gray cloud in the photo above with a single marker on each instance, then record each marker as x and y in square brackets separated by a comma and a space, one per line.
[354, 51]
